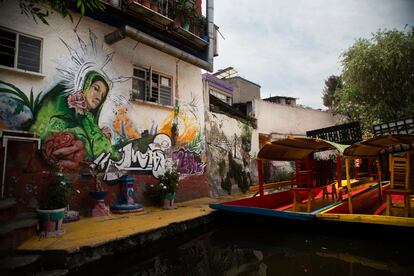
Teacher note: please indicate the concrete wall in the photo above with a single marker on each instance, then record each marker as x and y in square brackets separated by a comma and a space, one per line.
[231, 150]
[243, 90]
[289, 120]
[135, 136]
[279, 121]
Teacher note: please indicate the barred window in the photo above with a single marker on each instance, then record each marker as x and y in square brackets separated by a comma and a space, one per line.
[20, 51]
[151, 86]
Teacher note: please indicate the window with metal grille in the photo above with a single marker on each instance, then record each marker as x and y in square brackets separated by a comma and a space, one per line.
[20, 51]
[151, 86]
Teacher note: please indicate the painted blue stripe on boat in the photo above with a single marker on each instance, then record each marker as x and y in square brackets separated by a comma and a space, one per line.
[264, 212]
[285, 214]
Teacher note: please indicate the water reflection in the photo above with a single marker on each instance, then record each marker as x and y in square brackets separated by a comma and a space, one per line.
[236, 251]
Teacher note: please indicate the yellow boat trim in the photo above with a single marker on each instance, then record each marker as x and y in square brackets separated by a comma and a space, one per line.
[373, 219]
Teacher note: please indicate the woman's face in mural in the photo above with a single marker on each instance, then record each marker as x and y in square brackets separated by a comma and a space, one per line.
[96, 94]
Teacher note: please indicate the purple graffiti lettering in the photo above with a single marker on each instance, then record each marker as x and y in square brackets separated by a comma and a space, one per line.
[188, 162]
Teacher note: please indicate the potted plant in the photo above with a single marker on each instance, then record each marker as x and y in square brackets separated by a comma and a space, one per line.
[146, 3]
[184, 13]
[52, 207]
[164, 192]
[154, 5]
[98, 193]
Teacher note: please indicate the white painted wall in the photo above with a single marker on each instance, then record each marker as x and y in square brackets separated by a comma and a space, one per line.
[289, 120]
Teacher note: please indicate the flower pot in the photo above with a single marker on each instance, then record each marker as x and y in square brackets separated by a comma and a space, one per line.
[146, 3]
[185, 26]
[154, 7]
[50, 222]
[168, 201]
[100, 208]
[98, 195]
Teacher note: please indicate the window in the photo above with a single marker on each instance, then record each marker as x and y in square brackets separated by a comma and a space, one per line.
[20, 51]
[221, 97]
[151, 86]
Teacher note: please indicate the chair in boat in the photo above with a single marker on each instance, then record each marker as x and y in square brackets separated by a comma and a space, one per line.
[304, 173]
[400, 183]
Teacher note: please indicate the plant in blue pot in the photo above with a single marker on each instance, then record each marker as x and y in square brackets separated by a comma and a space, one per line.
[53, 204]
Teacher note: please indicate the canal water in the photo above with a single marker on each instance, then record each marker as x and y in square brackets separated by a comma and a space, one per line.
[246, 248]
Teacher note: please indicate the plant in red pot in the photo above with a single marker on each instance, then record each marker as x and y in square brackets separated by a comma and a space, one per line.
[52, 206]
[100, 208]
[154, 5]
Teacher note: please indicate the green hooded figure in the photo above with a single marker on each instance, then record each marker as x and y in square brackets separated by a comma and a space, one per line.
[68, 124]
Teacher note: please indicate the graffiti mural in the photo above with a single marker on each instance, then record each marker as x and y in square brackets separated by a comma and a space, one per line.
[67, 118]
[188, 162]
[153, 159]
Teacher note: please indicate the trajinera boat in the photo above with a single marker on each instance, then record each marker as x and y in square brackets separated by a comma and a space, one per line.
[313, 194]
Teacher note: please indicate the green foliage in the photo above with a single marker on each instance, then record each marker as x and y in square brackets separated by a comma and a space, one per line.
[332, 84]
[222, 168]
[185, 11]
[378, 78]
[237, 173]
[279, 176]
[58, 194]
[40, 9]
[168, 185]
[226, 184]
[20, 97]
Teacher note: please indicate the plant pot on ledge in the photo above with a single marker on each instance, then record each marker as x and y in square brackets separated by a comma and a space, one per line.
[100, 209]
[168, 201]
[154, 6]
[50, 222]
[146, 3]
[52, 209]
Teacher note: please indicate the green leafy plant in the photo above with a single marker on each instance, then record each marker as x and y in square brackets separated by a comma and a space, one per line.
[40, 9]
[58, 193]
[168, 184]
[20, 97]
[279, 176]
[185, 11]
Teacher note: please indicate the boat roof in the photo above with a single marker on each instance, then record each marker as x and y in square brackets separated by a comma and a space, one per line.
[371, 148]
[294, 148]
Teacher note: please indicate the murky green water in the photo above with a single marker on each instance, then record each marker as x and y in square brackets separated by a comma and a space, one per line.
[246, 249]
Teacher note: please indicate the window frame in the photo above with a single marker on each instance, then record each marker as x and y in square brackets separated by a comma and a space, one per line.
[148, 84]
[17, 48]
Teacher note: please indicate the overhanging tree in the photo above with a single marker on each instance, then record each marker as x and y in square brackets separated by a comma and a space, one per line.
[332, 84]
[378, 78]
[40, 9]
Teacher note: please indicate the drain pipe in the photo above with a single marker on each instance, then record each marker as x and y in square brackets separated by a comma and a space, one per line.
[211, 34]
[128, 31]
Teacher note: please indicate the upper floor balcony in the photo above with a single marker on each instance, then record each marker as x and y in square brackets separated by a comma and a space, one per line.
[178, 23]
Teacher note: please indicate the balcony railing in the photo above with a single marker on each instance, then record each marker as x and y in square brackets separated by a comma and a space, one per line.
[175, 14]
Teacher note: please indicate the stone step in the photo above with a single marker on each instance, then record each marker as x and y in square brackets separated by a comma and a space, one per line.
[20, 265]
[7, 210]
[26, 215]
[14, 233]
[7, 203]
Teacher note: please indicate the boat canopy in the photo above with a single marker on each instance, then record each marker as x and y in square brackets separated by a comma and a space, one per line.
[387, 143]
[294, 148]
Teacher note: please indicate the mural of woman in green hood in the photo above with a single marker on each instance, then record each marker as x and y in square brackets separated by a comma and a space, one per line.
[68, 123]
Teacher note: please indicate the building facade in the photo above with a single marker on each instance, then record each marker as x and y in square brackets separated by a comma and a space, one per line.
[119, 91]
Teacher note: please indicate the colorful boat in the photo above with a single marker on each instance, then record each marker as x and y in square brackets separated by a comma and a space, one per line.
[391, 204]
[351, 200]
[308, 194]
